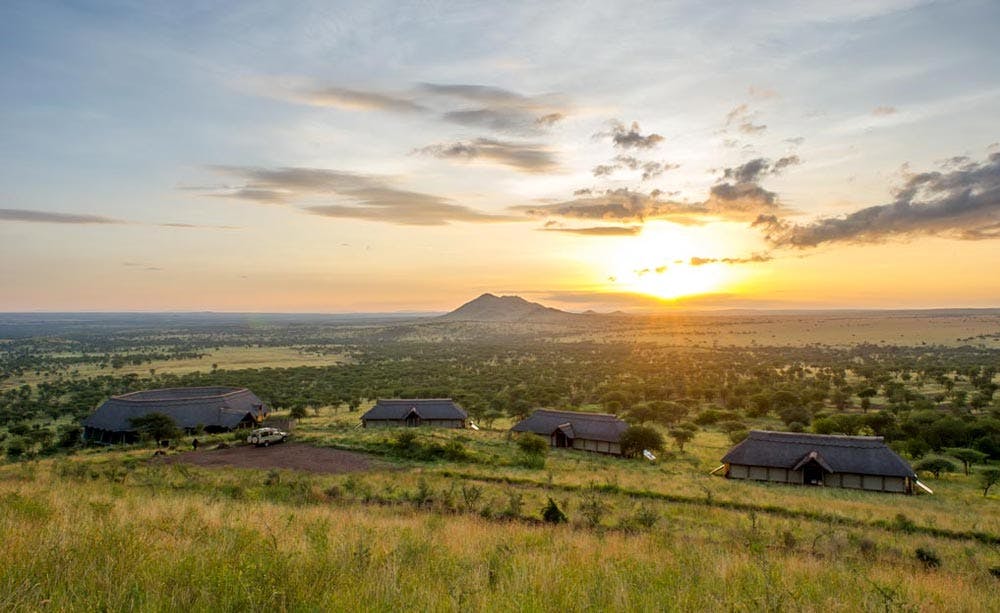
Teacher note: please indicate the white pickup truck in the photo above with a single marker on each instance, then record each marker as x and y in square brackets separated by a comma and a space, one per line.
[263, 437]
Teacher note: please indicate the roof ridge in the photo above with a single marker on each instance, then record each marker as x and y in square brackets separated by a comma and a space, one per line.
[578, 413]
[129, 396]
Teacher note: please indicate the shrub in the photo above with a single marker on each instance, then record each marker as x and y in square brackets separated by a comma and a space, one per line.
[552, 514]
[935, 466]
[637, 438]
[532, 445]
[16, 448]
[738, 436]
[929, 557]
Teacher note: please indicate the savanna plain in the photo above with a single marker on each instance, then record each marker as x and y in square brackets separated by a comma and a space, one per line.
[442, 520]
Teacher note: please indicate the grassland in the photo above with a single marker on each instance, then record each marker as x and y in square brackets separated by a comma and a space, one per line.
[112, 530]
[229, 358]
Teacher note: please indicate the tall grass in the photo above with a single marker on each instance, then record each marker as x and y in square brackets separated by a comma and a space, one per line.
[190, 539]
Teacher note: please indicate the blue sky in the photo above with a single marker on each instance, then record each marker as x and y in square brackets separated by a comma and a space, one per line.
[154, 154]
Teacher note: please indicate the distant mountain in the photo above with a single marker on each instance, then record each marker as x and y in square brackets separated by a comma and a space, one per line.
[507, 309]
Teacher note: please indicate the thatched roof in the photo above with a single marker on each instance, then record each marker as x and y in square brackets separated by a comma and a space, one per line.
[424, 408]
[863, 455]
[590, 426]
[189, 407]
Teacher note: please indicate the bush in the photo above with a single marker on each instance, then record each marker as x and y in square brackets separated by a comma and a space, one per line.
[637, 438]
[16, 448]
[929, 557]
[935, 466]
[532, 445]
[738, 436]
[552, 514]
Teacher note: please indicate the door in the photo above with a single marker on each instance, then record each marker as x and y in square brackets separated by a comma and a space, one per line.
[812, 474]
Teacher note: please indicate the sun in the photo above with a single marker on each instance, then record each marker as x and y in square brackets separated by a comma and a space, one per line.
[658, 262]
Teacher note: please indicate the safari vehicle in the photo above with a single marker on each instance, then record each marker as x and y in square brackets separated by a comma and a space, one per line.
[263, 437]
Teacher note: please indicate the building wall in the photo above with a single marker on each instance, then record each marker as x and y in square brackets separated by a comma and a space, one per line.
[597, 446]
[873, 483]
[401, 423]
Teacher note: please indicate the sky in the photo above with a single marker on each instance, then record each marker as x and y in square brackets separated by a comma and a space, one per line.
[385, 156]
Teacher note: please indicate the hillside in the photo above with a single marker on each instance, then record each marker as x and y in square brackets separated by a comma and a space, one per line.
[490, 308]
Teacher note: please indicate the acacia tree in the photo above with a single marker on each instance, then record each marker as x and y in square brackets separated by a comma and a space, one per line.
[966, 456]
[988, 478]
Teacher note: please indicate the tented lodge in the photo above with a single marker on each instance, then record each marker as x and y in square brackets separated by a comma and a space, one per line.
[597, 432]
[215, 409]
[439, 412]
[856, 462]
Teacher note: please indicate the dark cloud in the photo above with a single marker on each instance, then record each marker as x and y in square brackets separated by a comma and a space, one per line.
[630, 137]
[880, 111]
[616, 205]
[963, 203]
[525, 157]
[370, 197]
[478, 106]
[755, 258]
[499, 109]
[596, 230]
[785, 162]
[650, 169]
[740, 192]
[30, 216]
[358, 100]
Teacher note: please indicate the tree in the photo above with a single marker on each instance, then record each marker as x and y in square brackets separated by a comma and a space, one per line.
[668, 412]
[297, 412]
[935, 466]
[681, 436]
[156, 426]
[637, 438]
[966, 456]
[988, 478]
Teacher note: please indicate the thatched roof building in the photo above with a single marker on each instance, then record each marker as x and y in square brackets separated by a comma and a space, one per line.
[858, 462]
[597, 432]
[439, 412]
[216, 409]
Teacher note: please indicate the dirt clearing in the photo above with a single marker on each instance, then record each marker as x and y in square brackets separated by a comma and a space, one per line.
[292, 456]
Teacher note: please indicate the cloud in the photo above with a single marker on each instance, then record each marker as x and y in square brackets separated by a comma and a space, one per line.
[370, 197]
[740, 192]
[755, 258]
[741, 117]
[525, 157]
[761, 93]
[479, 106]
[881, 111]
[197, 226]
[597, 230]
[356, 100]
[615, 205]
[630, 137]
[499, 109]
[29, 216]
[650, 169]
[963, 203]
